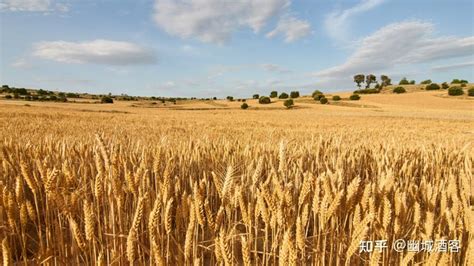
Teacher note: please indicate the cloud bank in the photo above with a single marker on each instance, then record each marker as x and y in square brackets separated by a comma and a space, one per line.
[103, 52]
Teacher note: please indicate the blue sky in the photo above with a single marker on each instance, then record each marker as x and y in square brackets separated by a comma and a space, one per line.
[207, 48]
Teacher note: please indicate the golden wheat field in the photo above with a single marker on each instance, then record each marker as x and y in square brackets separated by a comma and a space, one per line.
[209, 184]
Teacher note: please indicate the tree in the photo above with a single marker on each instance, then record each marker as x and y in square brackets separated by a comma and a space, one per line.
[244, 106]
[283, 95]
[230, 98]
[412, 82]
[455, 91]
[428, 81]
[273, 94]
[256, 96]
[316, 92]
[359, 78]
[354, 97]
[264, 100]
[288, 103]
[386, 81]
[214, 98]
[444, 85]
[294, 94]
[323, 100]
[369, 79]
[404, 81]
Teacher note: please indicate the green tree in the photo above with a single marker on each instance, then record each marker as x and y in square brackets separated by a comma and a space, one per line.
[264, 100]
[288, 103]
[403, 81]
[273, 94]
[294, 94]
[283, 95]
[369, 79]
[359, 78]
[428, 81]
[256, 96]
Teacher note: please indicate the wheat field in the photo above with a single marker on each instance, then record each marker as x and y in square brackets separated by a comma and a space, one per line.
[97, 185]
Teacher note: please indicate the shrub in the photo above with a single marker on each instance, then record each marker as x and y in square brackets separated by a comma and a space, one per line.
[288, 103]
[106, 99]
[455, 91]
[8, 97]
[214, 98]
[367, 91]
[317, 97]
[53, 98]
[256, 96]
[463, 85]
[399, 90]
[283, 95]
[73, 95]
[230, 98]
[264, 100]
[428, 81]
[404, 81]
[244, 100]
[432, 86]
[294, 94]
[316, 92]
[323, 100]
[336, 98]
[412, 82]
[470, 92]
[273, 94]
[458, 81]
[444, 85]
[244, 106]
[354, 97]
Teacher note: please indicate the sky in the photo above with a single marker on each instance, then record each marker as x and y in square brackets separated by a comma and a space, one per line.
[207, 48]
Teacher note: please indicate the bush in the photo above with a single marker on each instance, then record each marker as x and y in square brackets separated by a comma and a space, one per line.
[458, 81]
[412, 82]
[288, 103]
[256, 96]
[316, 92]
[230, 98]
[244, 106]
[432, 86]
[294, 94]
[264, 100]
[323, 100]
[72, 95]
[470, 92]
[336, 98]
[367, 91]
[283, 95]
[318, 97]
[444, 85]
[428, 81]
[53, 98]
[354, 97]
[214, 98]
[463, 85]
[399, 90]
[404, 81]
[8, 97]
[455, 91]
[106, 99]
[273, 94]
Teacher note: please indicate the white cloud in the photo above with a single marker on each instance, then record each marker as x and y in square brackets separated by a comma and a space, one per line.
[453, 66]
[33, 6]
[398, 44]
[214, 21]
[95, 52]
[275, 68]
[292, 28]
[21, 63]
[337, 22]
